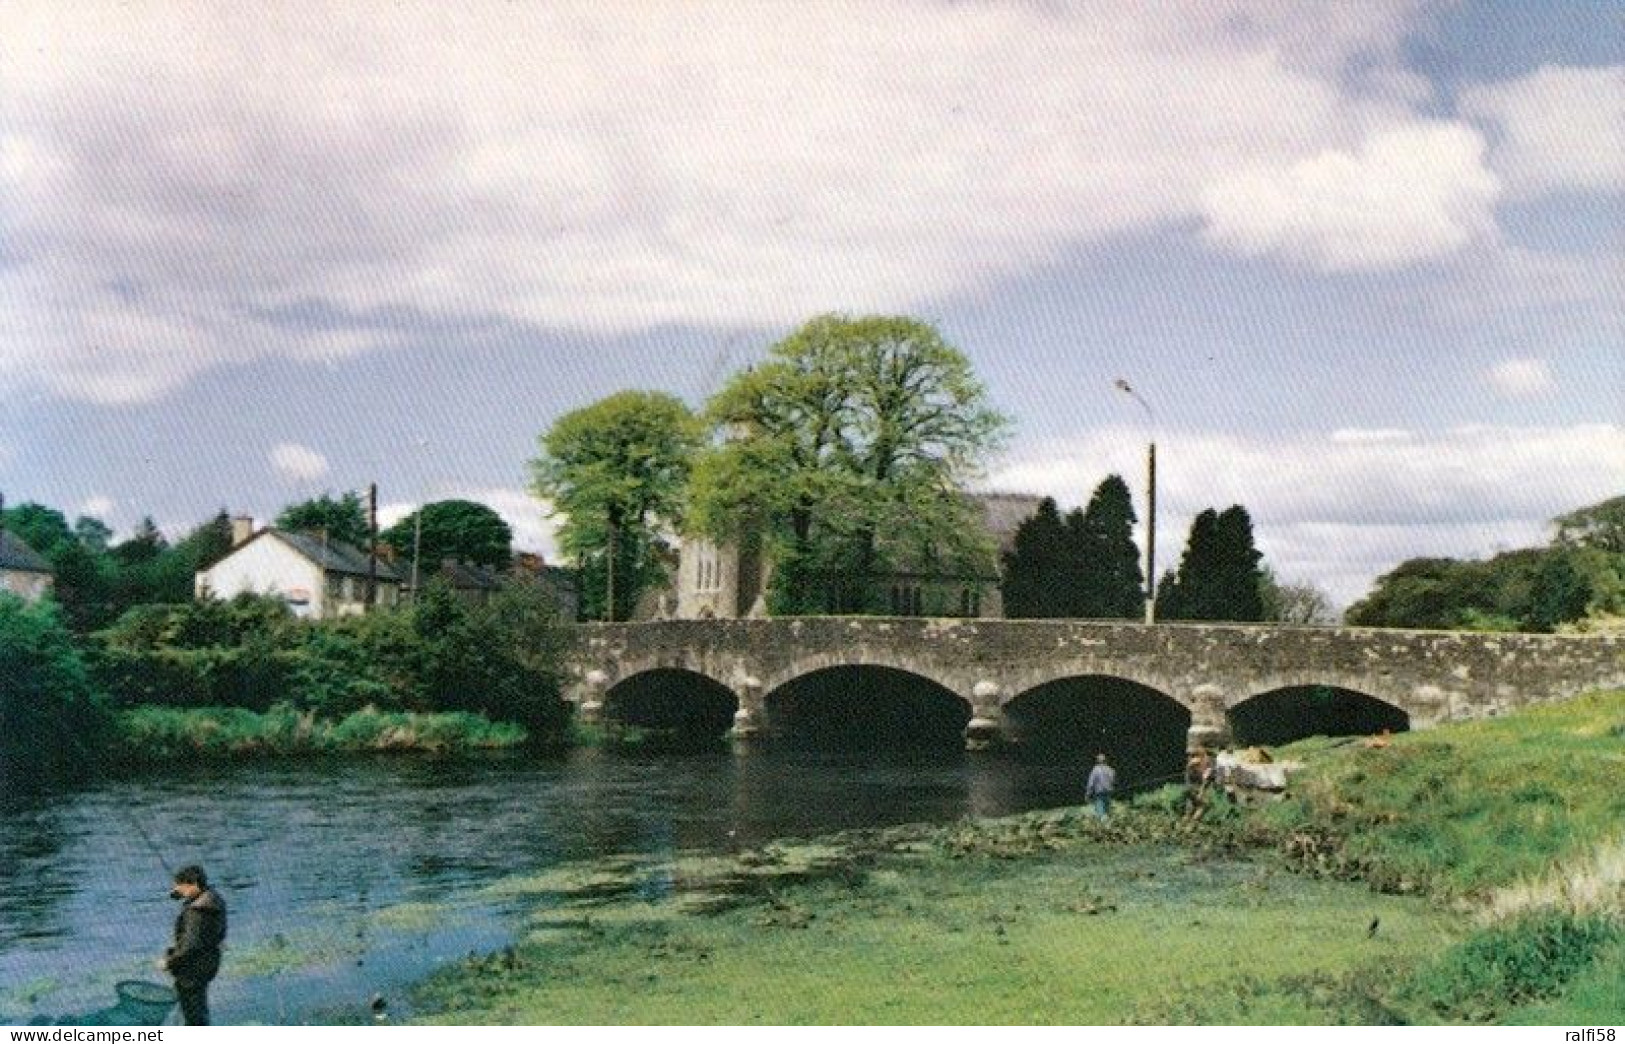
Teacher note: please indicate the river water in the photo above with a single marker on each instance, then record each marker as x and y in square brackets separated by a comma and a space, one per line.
[338, 872]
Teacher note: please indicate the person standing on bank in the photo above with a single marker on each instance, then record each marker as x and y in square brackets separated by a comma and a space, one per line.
[1102, 781]
[194, 958]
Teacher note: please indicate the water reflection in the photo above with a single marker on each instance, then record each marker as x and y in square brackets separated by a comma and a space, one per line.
[310, 853]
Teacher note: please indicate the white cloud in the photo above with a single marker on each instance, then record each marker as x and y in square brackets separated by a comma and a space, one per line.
[297, 463]
[1522, 378]
[1559, 128]
[532, 529]
[1339, 511]
[1367, 435]
[98, 506]
[389, 514]
[184, 180]
[1408, 194]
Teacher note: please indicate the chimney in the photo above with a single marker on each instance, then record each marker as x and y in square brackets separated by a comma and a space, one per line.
[242, 527]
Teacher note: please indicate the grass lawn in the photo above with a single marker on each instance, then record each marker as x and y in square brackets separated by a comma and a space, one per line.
[1089, 933]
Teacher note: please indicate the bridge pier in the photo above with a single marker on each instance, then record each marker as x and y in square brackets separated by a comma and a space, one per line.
[1210, 725]
[750, 720]
[590, 706]
[986, 727]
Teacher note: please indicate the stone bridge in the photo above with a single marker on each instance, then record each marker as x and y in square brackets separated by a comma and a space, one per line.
[1212, 672]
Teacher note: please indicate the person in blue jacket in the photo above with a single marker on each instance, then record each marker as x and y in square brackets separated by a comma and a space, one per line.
[1102, 781]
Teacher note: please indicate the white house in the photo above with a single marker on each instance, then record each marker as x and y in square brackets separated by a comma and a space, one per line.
[23, 571]
[318, 578]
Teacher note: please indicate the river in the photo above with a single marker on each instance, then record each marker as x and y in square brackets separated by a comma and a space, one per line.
[338, 872]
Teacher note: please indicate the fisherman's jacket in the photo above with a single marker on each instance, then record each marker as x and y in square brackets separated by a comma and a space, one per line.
[199, 931]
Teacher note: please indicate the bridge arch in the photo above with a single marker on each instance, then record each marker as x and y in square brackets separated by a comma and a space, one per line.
[1292, 712]
[866, 705]
[1141, 728]
[671, 700]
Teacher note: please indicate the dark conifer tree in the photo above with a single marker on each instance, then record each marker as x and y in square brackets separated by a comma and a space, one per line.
[1032, 585]
[1239, 593]
[1183, 597]
[1071, 570]
[1219, 575]
[1110, 583]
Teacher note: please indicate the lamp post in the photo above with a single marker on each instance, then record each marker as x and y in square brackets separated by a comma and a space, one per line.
[1151, 504]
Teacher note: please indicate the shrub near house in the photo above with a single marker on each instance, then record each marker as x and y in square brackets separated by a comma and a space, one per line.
[50, 712]
[251, 655]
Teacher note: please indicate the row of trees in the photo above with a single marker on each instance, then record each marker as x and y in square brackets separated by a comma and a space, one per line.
[845, 452]
[1087, 565]
[1578, 576]
[462, 529]
[98, 580]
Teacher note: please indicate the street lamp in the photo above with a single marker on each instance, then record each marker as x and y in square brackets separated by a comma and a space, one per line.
[1151, 504]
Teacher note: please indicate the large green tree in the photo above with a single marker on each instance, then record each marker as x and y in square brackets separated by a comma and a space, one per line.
[849, 446]
[617, 473]
[460, 529]
[340, 518]
[1219, 575]
[42, 528]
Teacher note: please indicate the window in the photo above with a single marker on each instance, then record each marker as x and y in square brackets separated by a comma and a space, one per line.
[707, 571]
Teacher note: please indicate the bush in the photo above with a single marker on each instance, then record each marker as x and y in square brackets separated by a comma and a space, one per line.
[498, 659]
[156, 734]
[51, 713]
[1527, 959]
[204, 624]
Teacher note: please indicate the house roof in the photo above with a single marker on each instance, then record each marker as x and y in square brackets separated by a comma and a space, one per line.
[462, 576]
[1003, 514]
[16, 555]
[334, 556]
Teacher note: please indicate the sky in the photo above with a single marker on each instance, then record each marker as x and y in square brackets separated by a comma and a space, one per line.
[1364, 263]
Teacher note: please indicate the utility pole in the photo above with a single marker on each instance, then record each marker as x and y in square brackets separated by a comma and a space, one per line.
[614, 541]
[1151, 504]
[1151, 533]
[372, 545]
[417, 547]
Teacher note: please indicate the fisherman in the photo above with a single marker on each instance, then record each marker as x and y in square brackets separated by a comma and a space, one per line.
[199, 931]
[1198, 776]
[1102, 781]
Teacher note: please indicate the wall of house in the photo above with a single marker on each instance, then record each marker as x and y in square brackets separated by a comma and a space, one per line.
[27, 585]
[707, 581]
[267, 566]
[926, 596]
[347, 595]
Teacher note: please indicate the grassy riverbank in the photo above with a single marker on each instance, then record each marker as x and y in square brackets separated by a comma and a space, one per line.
[1470, 873]
[163, 734]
